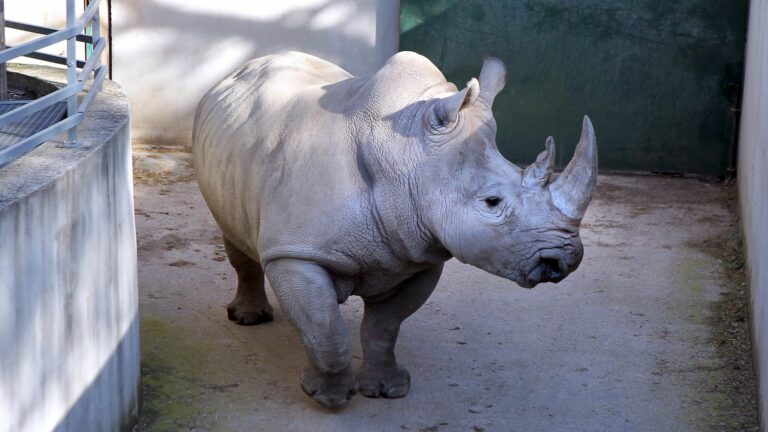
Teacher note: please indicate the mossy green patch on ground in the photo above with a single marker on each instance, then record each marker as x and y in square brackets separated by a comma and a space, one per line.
[689, 275]
[729, 323]
[730, 390]
[176, 380]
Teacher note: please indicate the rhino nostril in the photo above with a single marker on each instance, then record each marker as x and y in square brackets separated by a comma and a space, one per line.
[551, 268]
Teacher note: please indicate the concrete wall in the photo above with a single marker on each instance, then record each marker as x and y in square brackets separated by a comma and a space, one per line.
[46, 13]
[753, 185]
[658, 68]
[69, 336]
[168, 53]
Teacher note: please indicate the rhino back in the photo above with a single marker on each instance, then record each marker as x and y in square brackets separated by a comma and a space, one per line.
[275, 159]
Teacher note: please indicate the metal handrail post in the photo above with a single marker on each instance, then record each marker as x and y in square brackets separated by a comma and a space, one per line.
[71, 72]
[75, 81]
[96, 36]
[3, 72]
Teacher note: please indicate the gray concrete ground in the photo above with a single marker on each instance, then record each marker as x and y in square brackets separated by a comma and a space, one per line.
[648, 334]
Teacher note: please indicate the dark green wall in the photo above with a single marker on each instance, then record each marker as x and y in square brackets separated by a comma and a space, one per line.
[655, 76]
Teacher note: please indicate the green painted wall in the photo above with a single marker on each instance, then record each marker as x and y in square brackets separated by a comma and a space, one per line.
[655, 76]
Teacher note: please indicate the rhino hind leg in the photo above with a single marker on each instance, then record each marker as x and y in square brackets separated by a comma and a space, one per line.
[381, 375]
[250, 305]
[308, 298]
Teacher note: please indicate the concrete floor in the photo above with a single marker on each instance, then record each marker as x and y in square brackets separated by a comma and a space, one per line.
[630, 342]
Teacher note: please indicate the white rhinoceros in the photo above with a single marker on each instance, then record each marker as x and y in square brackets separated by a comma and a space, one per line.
[333, 185]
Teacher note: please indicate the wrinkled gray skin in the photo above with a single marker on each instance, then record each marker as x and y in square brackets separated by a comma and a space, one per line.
[333, 185]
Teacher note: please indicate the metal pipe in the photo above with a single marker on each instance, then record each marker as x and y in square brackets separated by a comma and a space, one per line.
[75, 81]
[109, 38]
[50, 58]
[31, 28]
[36, 105]
[14, 152]
[37, 44]
[96, 31]
[71, 72]
[93, 62]
[98, 79]
[87, 15]
[3, 72]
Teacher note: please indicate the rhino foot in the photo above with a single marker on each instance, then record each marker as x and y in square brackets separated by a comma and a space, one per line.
[331, 390]
[245, 313]
[387, 382]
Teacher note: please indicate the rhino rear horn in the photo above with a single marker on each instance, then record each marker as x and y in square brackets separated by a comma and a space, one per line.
[493, 76]
[446, 110]
[572, 191]
[537, 174]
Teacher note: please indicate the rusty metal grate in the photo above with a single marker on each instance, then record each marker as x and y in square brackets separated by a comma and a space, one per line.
[28, 126]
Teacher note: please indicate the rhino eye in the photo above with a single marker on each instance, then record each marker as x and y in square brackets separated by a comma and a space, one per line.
[492, 201]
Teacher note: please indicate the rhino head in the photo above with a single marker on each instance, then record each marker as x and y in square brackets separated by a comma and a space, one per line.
[520, 224]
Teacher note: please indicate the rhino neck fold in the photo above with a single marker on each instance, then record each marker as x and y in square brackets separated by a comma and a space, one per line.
[390, 153]
[390, 175]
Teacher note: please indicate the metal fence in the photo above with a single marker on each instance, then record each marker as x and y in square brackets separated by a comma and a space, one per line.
[25, 110]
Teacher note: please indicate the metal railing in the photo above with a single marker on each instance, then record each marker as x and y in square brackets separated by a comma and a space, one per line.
[75, 80]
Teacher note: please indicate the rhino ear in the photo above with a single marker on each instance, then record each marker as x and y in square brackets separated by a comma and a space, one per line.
[445, 111]
[493, 76]
[537, 174]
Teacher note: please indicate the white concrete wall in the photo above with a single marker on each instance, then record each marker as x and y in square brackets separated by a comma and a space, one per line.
[46, 13]
[69, 324]
[168, 53]
[753, 185]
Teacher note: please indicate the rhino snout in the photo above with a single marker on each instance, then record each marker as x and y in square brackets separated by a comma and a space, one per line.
[547, 269]
[552, 269]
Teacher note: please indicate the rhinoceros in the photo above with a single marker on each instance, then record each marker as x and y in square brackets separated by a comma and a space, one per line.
[332, 185]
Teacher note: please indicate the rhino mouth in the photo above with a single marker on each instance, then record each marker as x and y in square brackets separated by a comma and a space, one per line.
[546, 269]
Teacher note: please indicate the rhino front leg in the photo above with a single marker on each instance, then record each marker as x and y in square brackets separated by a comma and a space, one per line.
[250, 305]
[381, 375]
[306, 293]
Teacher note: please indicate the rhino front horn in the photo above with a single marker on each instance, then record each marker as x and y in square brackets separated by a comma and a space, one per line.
[572, 191]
